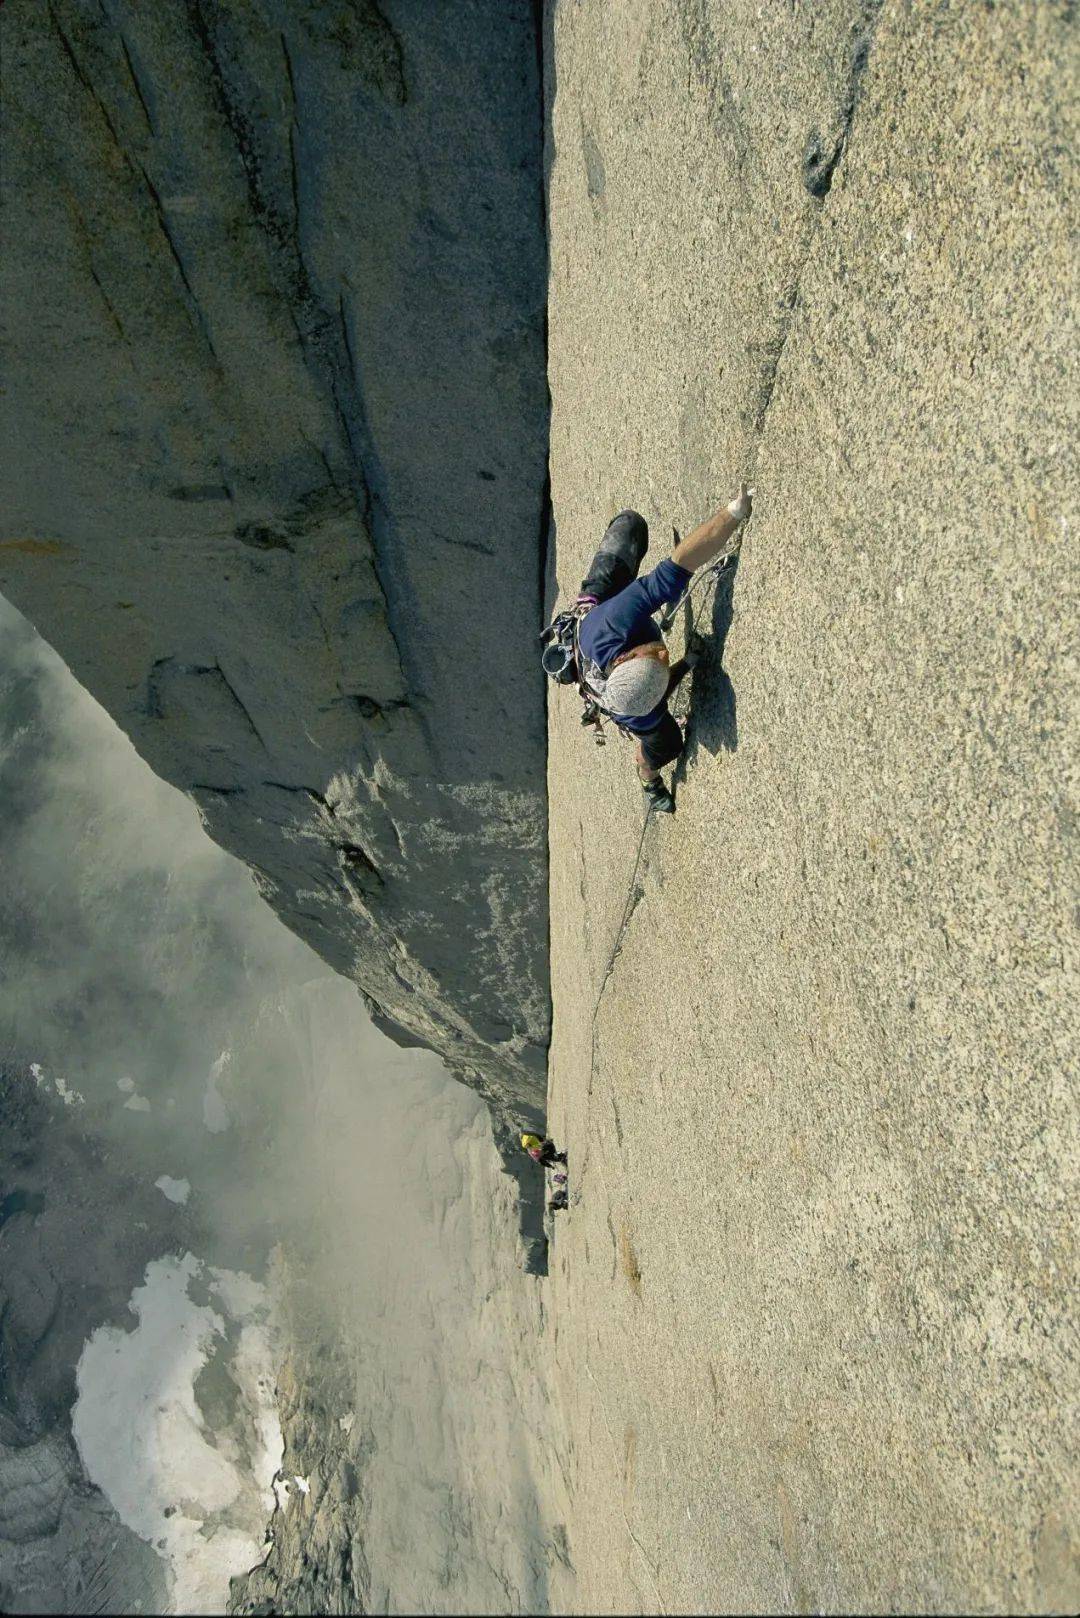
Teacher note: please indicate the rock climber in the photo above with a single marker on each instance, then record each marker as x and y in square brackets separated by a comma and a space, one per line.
[622, 658]
[560, 1197]
[542, 1151]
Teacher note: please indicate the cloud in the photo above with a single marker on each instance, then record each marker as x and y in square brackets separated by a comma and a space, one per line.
[211, 1050]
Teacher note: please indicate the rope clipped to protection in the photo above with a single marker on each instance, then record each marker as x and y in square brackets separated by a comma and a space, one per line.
[712, 572]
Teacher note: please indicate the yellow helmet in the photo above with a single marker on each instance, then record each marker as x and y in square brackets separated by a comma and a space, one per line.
[529, 1141]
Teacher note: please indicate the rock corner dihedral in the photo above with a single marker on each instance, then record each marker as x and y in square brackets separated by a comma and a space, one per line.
[276, 420]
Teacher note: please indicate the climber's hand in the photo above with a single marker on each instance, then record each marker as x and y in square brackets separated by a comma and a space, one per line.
[711, 536]
[742, 505]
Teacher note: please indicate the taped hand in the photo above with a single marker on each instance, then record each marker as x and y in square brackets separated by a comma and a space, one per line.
[742, 505]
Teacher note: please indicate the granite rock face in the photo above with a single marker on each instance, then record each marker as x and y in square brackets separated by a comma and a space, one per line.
[822, 1269]
[275, 458]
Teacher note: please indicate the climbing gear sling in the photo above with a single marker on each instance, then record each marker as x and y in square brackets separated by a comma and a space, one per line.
[565, 663]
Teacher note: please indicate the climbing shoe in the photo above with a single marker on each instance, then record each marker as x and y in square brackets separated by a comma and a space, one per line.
[658, 798]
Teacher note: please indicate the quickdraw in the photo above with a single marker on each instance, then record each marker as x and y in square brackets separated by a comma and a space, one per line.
[593, 712]
[562, 661]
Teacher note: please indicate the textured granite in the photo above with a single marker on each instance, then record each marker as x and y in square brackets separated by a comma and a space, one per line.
[815, 1054]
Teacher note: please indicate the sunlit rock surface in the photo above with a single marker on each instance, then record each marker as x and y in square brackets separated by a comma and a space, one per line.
[275, 456]
[815, 1047]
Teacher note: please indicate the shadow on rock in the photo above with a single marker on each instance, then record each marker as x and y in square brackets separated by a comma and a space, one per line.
[713, 721]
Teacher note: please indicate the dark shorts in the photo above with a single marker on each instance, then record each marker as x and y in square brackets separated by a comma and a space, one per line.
[616, 563]
[660, 745]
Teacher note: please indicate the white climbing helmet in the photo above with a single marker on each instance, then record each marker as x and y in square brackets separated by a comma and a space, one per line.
[636, 687]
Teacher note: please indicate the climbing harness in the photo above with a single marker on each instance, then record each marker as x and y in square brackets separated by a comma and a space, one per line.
[558, 641]
[564, 662]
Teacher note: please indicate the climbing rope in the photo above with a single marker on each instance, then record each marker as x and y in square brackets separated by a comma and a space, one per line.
[712, 574]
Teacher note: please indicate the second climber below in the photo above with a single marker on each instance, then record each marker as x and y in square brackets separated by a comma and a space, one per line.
[542, 1151]
[622, 658]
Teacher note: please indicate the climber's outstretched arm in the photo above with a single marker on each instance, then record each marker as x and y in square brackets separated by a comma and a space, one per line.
[710, 537]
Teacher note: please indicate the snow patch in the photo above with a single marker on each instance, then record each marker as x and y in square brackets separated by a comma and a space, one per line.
[175, 1190]
[200, 1495]
[70, 1097]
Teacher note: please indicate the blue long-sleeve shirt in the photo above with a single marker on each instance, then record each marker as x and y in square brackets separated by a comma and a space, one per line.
[626, 620]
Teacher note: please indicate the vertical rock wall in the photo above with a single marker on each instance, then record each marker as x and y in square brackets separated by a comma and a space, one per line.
[274, 453]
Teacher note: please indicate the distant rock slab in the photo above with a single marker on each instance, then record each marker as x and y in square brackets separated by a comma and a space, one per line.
[275, 458]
